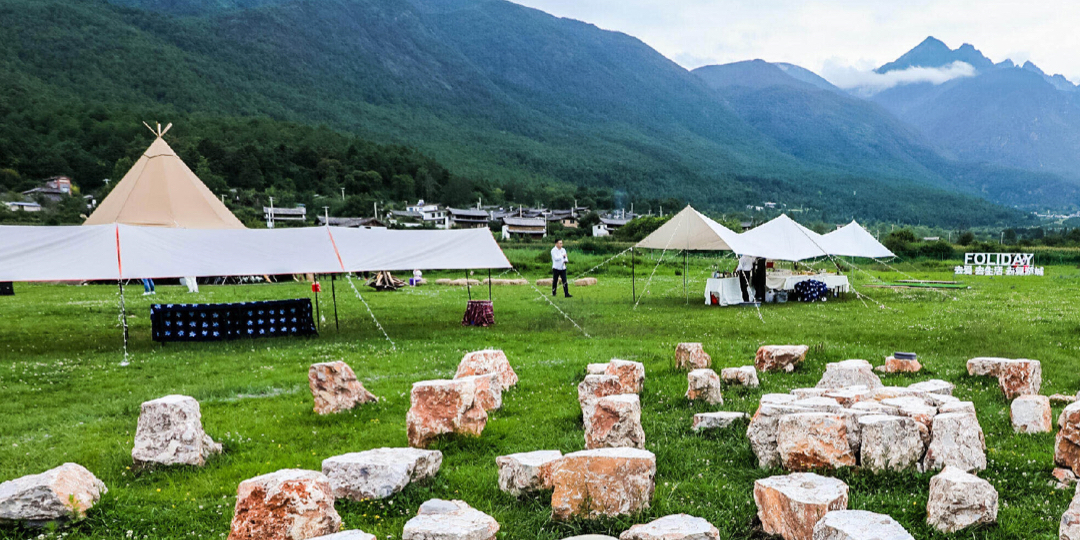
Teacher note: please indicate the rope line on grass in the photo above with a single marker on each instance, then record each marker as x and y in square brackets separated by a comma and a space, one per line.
[645, 290]
[557, 308]
[613, 257]
[348, 276]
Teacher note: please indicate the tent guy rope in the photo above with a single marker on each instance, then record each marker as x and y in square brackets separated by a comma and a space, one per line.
[557, 308]
[348, 276]
[645, 289]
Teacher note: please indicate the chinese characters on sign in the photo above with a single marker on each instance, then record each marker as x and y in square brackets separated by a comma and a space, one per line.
[998, 264]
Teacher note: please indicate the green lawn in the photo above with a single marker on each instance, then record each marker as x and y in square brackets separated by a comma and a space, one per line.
[65, 397]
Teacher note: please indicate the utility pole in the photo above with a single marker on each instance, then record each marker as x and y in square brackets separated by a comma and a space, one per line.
[270, 218]
[343, 194]
[326, 214]
[375, 205]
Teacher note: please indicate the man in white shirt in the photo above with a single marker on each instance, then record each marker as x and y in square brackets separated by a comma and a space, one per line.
[558, 269]
[745, 272]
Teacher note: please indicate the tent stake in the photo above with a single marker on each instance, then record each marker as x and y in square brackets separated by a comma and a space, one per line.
[333, 293]
[633, 275]
[123, 315]
[467, 286]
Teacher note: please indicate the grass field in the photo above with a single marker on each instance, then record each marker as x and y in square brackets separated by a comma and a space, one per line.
[65, 397]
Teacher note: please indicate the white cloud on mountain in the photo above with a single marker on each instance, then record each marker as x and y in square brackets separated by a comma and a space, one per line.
[871, 82]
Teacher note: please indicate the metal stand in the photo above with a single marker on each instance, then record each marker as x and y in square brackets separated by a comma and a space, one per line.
[633, 275]
[489, 284]
[467, 286]
[686, 267]
[333, 293]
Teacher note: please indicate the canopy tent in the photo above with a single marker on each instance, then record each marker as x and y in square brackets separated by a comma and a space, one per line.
[692, 231]
[113, 252]
[782, 239]
[852, 240]
[161, 191]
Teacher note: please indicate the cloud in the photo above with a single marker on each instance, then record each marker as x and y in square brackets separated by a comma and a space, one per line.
[870, 82]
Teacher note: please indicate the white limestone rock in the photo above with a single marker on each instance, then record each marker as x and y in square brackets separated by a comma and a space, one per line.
[1031, 414]
[814, 440]
[790, 505]
[449, 520]
[934, 386]
[859, 525]
[527, 472]
[1069, 526]
[379, 473]
[717, 420]
[596, 369]
[290, 504]
[744, 376]
[592, 388]
[849, 373]
[170, 432]
[957, 440]
[966, 407]
[631, 374]
[616, 423]
[56, 495]
[673, 527]
[704, 385]
[984, 366]
[959, 500]
[890, 443]
[485, 362]
[603, 482]
[764, 426]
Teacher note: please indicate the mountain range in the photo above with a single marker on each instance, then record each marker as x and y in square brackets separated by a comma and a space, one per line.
[499, 91]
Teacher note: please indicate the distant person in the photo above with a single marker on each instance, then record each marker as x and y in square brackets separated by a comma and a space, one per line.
[148, 286]
[745, 272]
[759, 281]
[558, 269]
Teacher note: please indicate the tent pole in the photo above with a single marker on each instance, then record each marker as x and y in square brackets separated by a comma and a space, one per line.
[686, 266]
[489, 284]
[633, 275]
[333, 293]
[318, 315]
[467, 286]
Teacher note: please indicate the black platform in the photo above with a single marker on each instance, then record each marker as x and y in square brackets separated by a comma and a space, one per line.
[218, 322]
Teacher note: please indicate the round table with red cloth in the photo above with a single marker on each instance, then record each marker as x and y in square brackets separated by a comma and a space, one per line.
[479, 313]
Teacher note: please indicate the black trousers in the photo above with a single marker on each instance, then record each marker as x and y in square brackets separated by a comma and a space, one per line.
[556, 275]
[744, 281]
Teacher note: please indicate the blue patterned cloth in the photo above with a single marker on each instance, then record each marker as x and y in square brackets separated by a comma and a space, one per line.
[812, 290]
[216, 322]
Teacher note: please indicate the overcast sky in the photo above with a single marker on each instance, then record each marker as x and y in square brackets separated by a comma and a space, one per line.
[831, 37]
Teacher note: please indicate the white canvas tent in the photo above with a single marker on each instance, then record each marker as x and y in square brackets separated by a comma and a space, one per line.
[782, 239]
[690, 230]
[161, 191]
[852, 240]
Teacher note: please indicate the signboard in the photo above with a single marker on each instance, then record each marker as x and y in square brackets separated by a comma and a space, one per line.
[999, 264]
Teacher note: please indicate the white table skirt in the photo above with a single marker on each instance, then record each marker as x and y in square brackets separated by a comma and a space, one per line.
[726, 289]
[729, 292]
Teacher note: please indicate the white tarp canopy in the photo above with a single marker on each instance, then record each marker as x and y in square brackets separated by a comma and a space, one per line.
[782, 239]
[106, 252]
[692, 231]
[370, 250]
[852, 240]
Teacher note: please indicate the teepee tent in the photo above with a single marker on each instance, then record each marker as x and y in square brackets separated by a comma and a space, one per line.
[852, 240]
[161, 191]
